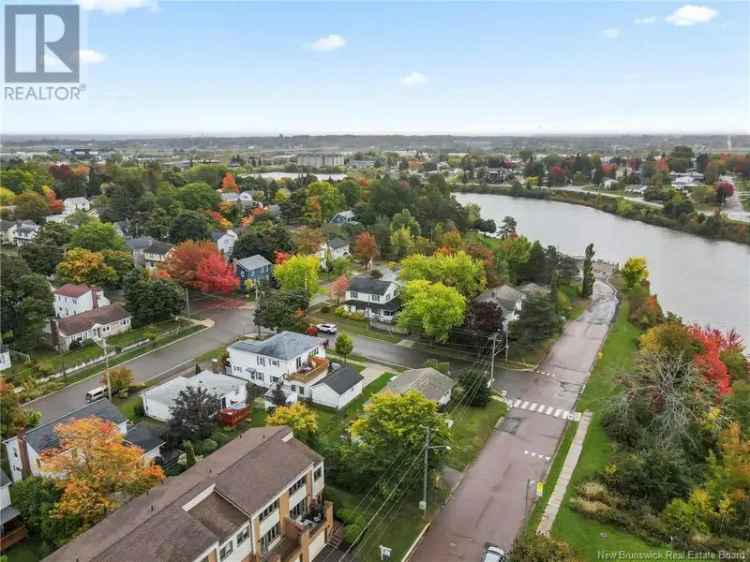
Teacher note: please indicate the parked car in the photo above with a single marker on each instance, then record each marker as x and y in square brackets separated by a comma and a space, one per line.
[326, 328]
[493, 553]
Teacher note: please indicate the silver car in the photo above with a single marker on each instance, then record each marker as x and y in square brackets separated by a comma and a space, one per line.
[493, 553]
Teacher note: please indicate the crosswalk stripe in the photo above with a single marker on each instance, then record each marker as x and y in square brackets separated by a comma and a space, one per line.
[516, 403]
[523, 406]
[558, 412]
[533, 407]
[549, 410]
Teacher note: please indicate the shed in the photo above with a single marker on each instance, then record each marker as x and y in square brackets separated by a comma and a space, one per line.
[429, 382]
[338, 388]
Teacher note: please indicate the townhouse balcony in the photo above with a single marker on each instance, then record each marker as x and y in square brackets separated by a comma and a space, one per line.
[308, 373]
[298, 535]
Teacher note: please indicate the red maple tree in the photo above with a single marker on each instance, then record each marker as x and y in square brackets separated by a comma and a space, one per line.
[182, 263]
[338, 287]
[279, 257]
[365, 248]
[229, 183]
[709, 360]
[214, 275]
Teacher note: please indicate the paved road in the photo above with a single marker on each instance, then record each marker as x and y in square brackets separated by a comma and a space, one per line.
[491, 503]
[229, 322]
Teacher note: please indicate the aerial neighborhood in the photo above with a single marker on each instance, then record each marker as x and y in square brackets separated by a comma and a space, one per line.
[298, 355]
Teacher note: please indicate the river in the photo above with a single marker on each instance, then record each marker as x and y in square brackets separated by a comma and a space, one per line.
[704, 281]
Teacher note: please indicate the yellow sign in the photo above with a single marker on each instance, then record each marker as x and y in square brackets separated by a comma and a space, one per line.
[539, 489]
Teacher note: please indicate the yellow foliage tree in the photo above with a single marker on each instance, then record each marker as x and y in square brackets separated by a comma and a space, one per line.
[302, 420]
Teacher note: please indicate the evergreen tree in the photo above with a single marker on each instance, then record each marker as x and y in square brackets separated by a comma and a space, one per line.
[587, 286]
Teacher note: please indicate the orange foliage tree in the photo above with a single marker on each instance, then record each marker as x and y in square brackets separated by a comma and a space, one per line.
[214, 275]
[182, 263]
[97, 468]
[365, 248]
[338, 287]
[229, 183]
[709, 360]
[55, 205]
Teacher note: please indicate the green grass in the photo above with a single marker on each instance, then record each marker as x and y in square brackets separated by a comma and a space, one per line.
[471, 430]
[585, 535]
[577, 303]
[331, 424]
[30, 550]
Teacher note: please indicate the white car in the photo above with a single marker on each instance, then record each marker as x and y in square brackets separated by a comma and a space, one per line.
[493, 553]
[326, 328]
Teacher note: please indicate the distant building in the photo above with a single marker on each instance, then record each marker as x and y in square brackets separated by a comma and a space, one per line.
[149, 252]
[225, 241]
[24, 232]
[343, 217]
[73, 204]
[245, 198]
[335, 248]
[361, 164]
[320, 160]
[5, 359]
[508, 298]
[256, 268]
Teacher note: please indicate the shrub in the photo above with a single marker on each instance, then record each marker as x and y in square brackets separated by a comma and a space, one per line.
[594, 491]
[353, 530]
[345, 515]
[139, 410]
[589, 507]
[325, 309]
[208, 446]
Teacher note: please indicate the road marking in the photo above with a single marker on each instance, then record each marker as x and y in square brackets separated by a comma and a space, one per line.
[548, 411]
[516, 403]
[533, 407]
[542, 409]
[558, 412]
[537, 455]
[524, 405]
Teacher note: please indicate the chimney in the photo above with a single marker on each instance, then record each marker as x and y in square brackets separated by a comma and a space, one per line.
[23, 452]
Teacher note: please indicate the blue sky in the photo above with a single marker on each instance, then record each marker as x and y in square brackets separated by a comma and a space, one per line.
[475, 68]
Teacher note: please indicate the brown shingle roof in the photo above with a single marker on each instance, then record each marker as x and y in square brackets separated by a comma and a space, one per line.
[248, 471]
[218, 516]
[71, 290]
[81, 322]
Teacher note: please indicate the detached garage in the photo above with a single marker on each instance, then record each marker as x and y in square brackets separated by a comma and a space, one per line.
[338, 389]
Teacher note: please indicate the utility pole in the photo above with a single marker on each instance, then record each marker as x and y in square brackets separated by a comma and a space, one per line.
[426, 470]
[187, 302]
[495, 351]
[106, 370]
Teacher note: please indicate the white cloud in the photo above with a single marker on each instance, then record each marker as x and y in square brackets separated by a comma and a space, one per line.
[645, 21]
[690, 14]
[414, 79]
[117, 6]
[90, 56]
[611, 33]
[329, 43]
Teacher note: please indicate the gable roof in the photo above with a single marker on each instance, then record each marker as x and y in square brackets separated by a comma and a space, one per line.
[139, 243]
[432, 384]
[247, 472]
[143, 435]
[44, 437]
[367, 284]
[341, 380]
[505, 295]
[85, 321]
[159, 247]
[337, 243]
[73, 291]
[253, 262]
[284, 345]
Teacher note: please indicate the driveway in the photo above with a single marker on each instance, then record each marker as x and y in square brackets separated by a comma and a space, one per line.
[498, 489]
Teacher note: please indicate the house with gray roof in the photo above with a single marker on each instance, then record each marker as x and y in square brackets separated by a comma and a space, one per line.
[343, 217]
[333, 249]
[255, 268]
[338, 388]
[374, 298]
[297, 361]
[96, 324]
[25, 232]
[508, 298]
[429, 382]
[259, 497]
[158, 401]
[148, 252]
[25, 449]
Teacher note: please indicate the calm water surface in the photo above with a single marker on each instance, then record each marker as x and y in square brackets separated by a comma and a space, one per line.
[703, 281]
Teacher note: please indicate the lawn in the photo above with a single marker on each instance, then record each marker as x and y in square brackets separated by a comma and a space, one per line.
[137, 334]
[30, 550]
[586, 536]
[471, 429]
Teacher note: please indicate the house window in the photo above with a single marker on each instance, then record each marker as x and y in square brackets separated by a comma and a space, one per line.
[269, 510]
[301, 390]
[226, 550]
[274, 362]
[237, 368]
[269, 537]
[261, 360]
[318, 473]
[375, 298]
[274, 379]
[294, 388]
[243, 535]
[299, 510]
[354, 294]
[297, 485]
[299, 362]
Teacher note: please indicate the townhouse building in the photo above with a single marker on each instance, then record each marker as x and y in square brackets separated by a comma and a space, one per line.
[258, 498]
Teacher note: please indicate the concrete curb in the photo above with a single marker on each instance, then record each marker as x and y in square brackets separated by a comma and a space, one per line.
[566, 473]
[416, 542]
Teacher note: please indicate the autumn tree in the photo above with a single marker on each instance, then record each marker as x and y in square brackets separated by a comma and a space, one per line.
[431, 308]
[508, 228]
[14, 417]
[338, 287]
[635, 271]
[299, 274]
[724, 190]
[84, 266]
[229, 184]
[308, 240]
[302, 421]
[120, 378]
[214, 275]
[263, 238]
[103, 469]
[182, 263]
[365, 248]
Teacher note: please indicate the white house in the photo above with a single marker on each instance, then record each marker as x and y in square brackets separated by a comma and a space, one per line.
[297, 361]
[76, 299]
[361, 164]
[149, 252]
[245, 198]
[101, 322]
[25, 449]
[73, 204]
[343, 217]
[509, 299]
[375, 298]
[225, 241]
[7, 231]
[5, 360]
[333, 249]
[24, 232]
[338, 388]
[429, 382]
[11, 526]
[159, 400]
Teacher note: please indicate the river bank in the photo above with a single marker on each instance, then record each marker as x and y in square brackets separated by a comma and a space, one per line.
[709, 227]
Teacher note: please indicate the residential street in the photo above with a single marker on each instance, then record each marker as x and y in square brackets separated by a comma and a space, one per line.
[491, 503]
